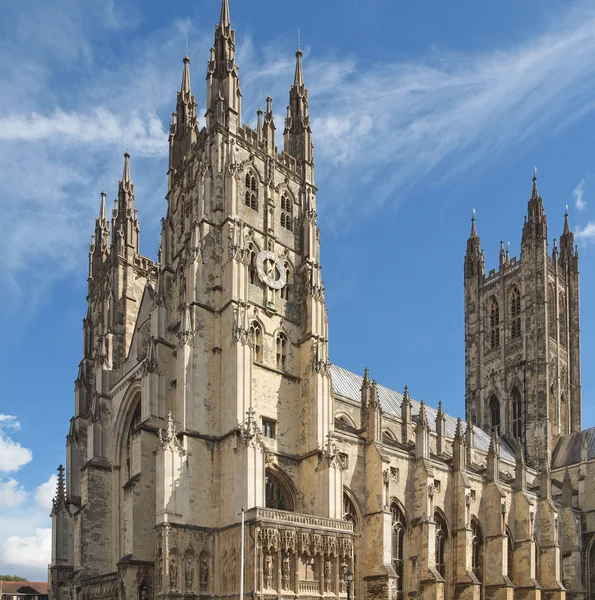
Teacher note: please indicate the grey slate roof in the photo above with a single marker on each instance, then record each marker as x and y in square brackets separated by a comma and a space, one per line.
[349, 385]
[568, 448]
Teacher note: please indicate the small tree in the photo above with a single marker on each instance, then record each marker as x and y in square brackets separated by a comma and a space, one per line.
[12, 578]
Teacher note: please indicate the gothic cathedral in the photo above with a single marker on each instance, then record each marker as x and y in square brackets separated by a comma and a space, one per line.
[205, 398]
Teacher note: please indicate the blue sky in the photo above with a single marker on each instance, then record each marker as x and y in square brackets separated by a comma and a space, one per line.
[421, 112]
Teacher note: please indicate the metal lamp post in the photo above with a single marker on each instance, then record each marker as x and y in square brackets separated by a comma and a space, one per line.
[348, 579]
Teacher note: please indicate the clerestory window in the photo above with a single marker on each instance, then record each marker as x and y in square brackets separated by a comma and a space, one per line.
[251, 196]
[494, 329]
[515, 313]
[286, 212]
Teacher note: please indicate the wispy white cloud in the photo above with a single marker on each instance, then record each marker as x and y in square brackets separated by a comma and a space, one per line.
[586, 233]
[13, 456]
[579, 201]
[387, 125]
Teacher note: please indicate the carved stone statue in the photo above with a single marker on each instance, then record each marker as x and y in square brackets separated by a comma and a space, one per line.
[268, 571]
[328, 575]
[204, 573]
[189, 573]
[286, 572]
[173, 574]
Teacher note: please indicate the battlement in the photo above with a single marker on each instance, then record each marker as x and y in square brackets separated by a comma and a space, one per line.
[513, 264]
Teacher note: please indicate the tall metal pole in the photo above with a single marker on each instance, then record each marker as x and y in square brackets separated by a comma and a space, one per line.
[242, 560]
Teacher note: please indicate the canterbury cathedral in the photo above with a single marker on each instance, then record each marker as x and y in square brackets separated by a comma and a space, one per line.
[215, 452]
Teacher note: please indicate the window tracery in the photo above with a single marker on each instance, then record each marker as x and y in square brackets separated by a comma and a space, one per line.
[441, 536]
[517, 414]
[551, 305]
[398, 545]
[256, 332]
[251, 197]
[277, 495]
[281, 351]
[286, 212]
[494, 316]
[562, 317]
[286, 289]
[515, 313]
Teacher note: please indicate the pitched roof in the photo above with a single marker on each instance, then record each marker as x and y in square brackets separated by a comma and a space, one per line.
[568, 448]
[349, 385]
[37, 588]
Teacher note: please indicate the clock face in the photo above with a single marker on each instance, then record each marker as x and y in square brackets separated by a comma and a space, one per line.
[271, 270]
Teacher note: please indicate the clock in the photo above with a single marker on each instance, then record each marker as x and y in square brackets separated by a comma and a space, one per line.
[271, 271]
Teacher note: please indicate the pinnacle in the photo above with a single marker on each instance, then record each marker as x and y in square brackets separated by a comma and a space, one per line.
[126, 173]
[185, 87]
[102, 207]
[298, 80]
[535, 192]
[224, 20]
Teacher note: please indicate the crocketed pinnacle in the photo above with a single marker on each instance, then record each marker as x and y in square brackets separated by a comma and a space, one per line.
[185, 87]
[298, 80]
[535, 192]
[102, 207]
[126, 173]
[473, 229]
[566, 223]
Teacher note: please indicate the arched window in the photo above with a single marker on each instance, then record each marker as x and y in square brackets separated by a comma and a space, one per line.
[252, 272]
[551, 311]
[441, 535]
[476, 550]
[349, 511]
[134, 423]
[256, 331]
[495, 413]
[286, 289]
[515, 313]
[562, 317]
[281, 351]
[494, 315]
[398, 545]
[517, 414]
[277, 495]
[286, 212]
[251, 198]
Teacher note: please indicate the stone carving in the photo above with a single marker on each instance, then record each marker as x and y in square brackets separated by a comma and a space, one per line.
[159, 569]
[204, 572]
[288, 540]
[249, 431]
[269, 538]
[189, 572]
[330, 452]
[241, 330]
[328, 575]
[234, 570]
[345, 547]
[150, 364]
[317, 543]
[286, 572]
[168, 438]
[173, 573]
[268, 571]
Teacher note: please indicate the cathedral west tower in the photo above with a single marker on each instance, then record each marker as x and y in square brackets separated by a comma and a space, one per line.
[522, 351]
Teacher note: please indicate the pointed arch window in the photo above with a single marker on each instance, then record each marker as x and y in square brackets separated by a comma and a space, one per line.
[251, 196]
[440, 550]
[562, 317]
[515, 313]
[476, 550]
[494, 330]
[281, 351]
[517, 415]
[398, 546]
[256, 331]
[349, 511]
[277, 495]
[286, 212]
[551, 311]
[286, 289]
[495, 413]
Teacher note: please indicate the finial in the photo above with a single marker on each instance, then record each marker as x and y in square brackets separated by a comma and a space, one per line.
[534, 173]
[535, 193]
[566, 213]
[186, 55]
[473, 229]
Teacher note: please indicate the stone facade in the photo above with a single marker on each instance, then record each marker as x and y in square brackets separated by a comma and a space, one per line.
[205, 399]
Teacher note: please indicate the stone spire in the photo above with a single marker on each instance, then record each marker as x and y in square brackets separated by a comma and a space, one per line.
[567, 489]
[100, 246]
[422, 434]
[60, 497]
[459, 457]
[474, 263]
[125, 227]
[183, 130]
[297, 134]
[223, 84]
[268, 130]
[405, 416]
[520, 472]
[440, 428]
[535, 226]
[567, 247]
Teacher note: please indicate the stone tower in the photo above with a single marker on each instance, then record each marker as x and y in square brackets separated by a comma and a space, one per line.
[205, 387]
[522, 351]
